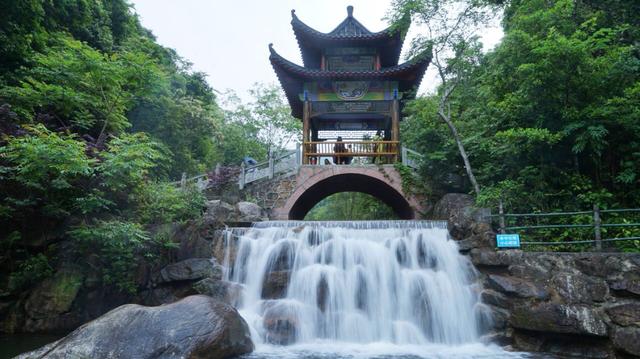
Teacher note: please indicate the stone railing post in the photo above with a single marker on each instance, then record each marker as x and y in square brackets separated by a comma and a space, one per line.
[501, 213]
[242, 176]
[597, 230]
[403, 154]
[183, 180]
[271, 166]
[298, 155]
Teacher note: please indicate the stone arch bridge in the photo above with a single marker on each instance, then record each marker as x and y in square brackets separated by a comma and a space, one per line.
[293, 195]
[289, 190]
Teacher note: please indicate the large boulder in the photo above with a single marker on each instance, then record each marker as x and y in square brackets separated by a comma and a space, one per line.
[249, 212]
[218, 211]
[516, 287]
[627, 340]
[457, 209]
[559, 318]
[195, 327]
[190, 269]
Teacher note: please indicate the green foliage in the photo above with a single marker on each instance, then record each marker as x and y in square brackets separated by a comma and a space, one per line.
[350, 206]
[165, 203]
[30, 271]
[259, 127]
[44, 169]
[127, 161]
[114, 244]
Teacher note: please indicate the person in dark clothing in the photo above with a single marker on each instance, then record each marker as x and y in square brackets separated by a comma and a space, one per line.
[348, 159]
[339, 148]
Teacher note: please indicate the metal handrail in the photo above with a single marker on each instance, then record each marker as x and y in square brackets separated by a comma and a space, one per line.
[596, 224]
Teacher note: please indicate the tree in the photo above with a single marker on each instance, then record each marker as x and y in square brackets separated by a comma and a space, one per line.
[451, 35]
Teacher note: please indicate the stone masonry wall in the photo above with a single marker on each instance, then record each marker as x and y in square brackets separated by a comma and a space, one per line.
[582, 305]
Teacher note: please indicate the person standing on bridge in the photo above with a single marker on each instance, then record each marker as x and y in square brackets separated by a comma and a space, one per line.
[339, 148]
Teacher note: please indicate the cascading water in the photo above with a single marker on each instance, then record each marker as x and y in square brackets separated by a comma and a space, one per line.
[322, 285]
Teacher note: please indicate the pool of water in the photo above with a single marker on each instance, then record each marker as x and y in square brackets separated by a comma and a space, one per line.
[12, 345]
[338, 350]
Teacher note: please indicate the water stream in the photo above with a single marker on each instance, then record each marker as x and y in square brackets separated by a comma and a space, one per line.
[358, 289]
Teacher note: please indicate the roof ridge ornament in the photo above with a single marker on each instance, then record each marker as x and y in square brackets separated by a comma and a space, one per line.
[350, 11]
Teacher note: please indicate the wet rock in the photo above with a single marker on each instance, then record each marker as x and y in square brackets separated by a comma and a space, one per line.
[565, 346]
[492, 297]
[281, 323]
[283, 257]
[249, 212]
[275, 284]
[578, 288]
[190, 269]
[227, 292]
[559, 318]
[493, 258]
[322, 294]
[627, 340]
[516, 287]
[627, 314]
[195, 327]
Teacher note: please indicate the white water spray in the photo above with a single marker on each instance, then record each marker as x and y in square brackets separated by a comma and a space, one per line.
[400, 282]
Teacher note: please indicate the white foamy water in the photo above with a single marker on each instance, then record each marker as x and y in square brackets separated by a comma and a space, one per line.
[357, 289]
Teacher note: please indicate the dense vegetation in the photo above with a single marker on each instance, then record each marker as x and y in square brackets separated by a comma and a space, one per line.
[350, 206]
[550, 118]
[95, 119]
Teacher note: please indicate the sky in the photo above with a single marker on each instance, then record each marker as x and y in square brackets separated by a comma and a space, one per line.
[228, 39]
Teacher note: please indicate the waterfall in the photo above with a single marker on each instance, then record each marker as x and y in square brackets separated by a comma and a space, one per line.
[398, 282]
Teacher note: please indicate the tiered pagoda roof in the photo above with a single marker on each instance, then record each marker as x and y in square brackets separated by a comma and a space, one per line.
[350, 33]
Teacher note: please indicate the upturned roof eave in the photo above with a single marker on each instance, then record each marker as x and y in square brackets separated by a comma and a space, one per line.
[292, 76]
[309, 38]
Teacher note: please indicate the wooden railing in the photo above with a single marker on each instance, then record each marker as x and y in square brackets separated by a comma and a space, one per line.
[388, 150]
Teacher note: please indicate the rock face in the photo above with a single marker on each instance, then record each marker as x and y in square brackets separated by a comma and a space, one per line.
[189, 269]
[457, 210]
[218, 211]
[195, 327]
[48, 306]
[559, 318]
[577, 304]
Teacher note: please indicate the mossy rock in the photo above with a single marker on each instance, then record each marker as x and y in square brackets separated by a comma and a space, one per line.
[54, 295]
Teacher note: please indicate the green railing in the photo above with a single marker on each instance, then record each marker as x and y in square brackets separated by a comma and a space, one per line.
[595, 223]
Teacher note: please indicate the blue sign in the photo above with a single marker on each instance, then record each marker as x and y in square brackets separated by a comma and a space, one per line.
[508, 240]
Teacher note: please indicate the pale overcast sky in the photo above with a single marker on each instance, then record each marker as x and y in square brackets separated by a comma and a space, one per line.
[228, 40]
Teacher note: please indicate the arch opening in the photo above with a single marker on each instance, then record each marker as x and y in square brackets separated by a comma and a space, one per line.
[350, 206]
[351, 182]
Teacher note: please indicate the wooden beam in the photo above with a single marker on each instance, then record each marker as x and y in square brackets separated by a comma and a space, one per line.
[395, 125]
[305, 130]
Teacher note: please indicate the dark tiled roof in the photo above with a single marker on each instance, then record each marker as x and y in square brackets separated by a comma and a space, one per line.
[292, 76]
[350, 32]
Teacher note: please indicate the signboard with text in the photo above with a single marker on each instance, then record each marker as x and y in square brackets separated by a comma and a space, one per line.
[508, 240]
